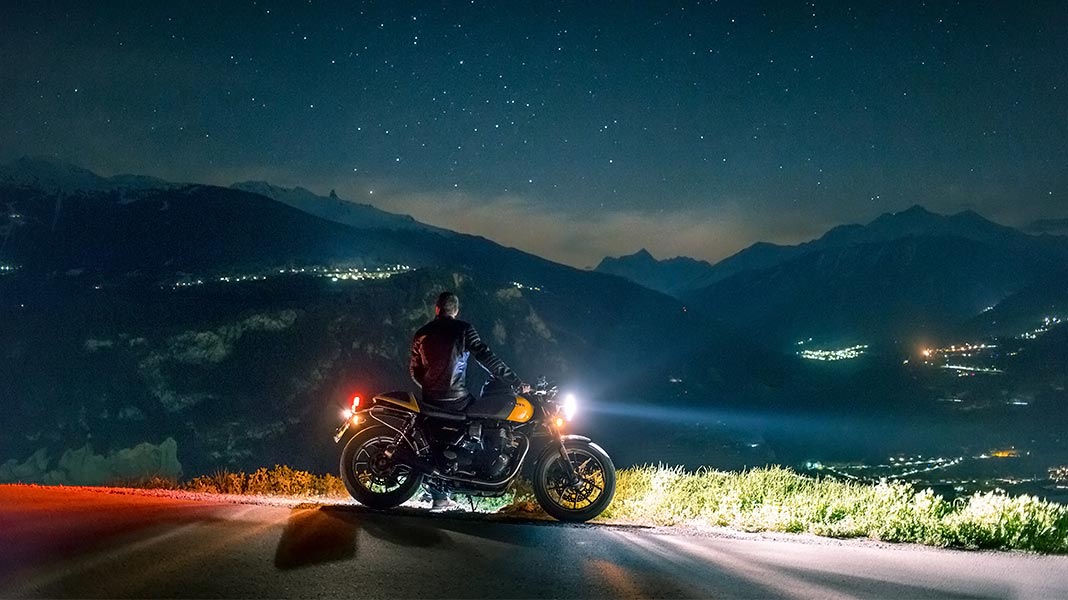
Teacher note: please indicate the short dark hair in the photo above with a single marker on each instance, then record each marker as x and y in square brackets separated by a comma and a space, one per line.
[448, 303]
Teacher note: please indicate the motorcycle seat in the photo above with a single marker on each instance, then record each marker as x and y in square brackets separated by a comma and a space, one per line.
[408, 401]
[437, 413]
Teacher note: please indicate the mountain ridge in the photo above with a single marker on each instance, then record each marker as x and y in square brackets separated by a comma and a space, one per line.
[914, 221]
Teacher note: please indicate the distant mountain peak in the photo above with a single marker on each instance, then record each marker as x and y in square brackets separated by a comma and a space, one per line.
[670, 275]
[334, 208]
[916, 209]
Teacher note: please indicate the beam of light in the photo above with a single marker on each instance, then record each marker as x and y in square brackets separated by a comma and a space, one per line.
[785, 585]
[36, 584]
[730, 418]
[219, 544]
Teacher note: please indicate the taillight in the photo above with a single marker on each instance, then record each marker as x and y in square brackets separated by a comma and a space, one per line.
[355, 403]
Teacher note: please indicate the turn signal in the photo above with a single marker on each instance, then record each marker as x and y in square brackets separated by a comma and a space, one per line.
[559, 422]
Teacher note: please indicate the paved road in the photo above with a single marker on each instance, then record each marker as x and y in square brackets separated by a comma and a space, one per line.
[64, 542]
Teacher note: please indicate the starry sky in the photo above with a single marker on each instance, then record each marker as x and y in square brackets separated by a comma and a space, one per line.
[573, 130]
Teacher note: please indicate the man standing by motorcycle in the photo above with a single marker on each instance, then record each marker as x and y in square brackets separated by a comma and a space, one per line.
[438, 365]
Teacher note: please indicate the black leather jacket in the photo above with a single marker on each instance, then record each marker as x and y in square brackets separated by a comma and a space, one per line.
[439, 359]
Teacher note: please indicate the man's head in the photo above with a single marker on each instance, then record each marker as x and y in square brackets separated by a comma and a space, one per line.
[448, 305]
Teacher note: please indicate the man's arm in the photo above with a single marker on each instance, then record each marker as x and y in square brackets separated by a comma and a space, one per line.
[416, 368]
[485, 357]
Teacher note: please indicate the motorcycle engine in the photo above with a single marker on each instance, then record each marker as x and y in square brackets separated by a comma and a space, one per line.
[476, 450]
[496, 456]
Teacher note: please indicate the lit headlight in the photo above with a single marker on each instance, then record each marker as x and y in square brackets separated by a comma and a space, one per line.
[570, 406]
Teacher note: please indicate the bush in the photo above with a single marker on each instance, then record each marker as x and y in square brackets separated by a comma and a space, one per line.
[277, 481]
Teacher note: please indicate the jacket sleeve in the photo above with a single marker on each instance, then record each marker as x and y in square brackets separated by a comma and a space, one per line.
[416, 368]
[485, 357]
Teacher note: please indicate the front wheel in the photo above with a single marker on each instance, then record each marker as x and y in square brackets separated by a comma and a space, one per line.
[371, 477]
[580, 500]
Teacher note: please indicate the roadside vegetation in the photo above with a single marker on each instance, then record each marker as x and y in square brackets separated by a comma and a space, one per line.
[769, 499]
[777, 499]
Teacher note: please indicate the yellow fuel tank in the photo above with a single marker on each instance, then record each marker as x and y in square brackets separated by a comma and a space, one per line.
[523, 411]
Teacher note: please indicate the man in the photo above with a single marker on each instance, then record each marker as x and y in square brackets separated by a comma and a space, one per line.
[438, 365]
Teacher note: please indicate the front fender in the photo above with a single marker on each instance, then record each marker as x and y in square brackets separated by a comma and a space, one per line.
[552, 448]
[577, 438]
[582, 438]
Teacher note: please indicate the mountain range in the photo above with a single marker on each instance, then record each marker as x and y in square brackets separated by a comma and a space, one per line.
[901, 275]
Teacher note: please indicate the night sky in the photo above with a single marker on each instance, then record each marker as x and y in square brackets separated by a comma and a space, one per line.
[572, 130]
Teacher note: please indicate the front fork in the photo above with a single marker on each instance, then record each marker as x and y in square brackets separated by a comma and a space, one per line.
[569, 469]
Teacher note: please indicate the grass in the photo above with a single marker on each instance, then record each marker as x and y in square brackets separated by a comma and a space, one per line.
[777, 499]
[766, 499]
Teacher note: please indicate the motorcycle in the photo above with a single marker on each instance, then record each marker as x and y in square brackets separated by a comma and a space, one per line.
[398, 443]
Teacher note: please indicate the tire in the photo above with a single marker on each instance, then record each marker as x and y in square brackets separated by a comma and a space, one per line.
[371, 440]
[550, 467]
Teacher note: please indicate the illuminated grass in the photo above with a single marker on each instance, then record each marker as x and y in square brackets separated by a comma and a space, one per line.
[776, 499]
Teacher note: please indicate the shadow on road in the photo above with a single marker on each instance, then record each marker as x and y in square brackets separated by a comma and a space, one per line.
[313, 536]
[321, 534]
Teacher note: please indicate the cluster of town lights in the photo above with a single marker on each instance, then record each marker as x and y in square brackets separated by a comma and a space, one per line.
[523, 286]
[901, 467]
[1047, 323]
[333, 273]
[962, 350]
[832, 355]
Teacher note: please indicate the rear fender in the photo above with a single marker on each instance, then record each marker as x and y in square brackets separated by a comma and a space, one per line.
[375, 415]
[393, 416]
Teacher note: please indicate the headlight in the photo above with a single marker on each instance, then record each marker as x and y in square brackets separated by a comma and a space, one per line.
[570, 406]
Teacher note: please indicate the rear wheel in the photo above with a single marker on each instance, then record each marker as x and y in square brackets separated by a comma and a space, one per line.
[371, 477]
[580, 500]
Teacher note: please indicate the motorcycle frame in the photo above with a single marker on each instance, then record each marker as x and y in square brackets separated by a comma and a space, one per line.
[404, 422]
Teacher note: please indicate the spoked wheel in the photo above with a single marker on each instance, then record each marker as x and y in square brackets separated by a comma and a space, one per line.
[371, 477]
[579, 500]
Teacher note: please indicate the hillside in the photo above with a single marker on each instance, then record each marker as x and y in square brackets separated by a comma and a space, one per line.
[235, 323]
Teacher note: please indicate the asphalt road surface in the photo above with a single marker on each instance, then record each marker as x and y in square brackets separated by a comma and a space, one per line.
[75, 542]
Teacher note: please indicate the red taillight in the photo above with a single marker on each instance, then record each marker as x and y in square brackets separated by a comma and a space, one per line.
[355, 403]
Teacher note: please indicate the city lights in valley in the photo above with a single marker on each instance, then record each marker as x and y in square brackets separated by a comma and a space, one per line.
[334, 273]
[849, 353]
